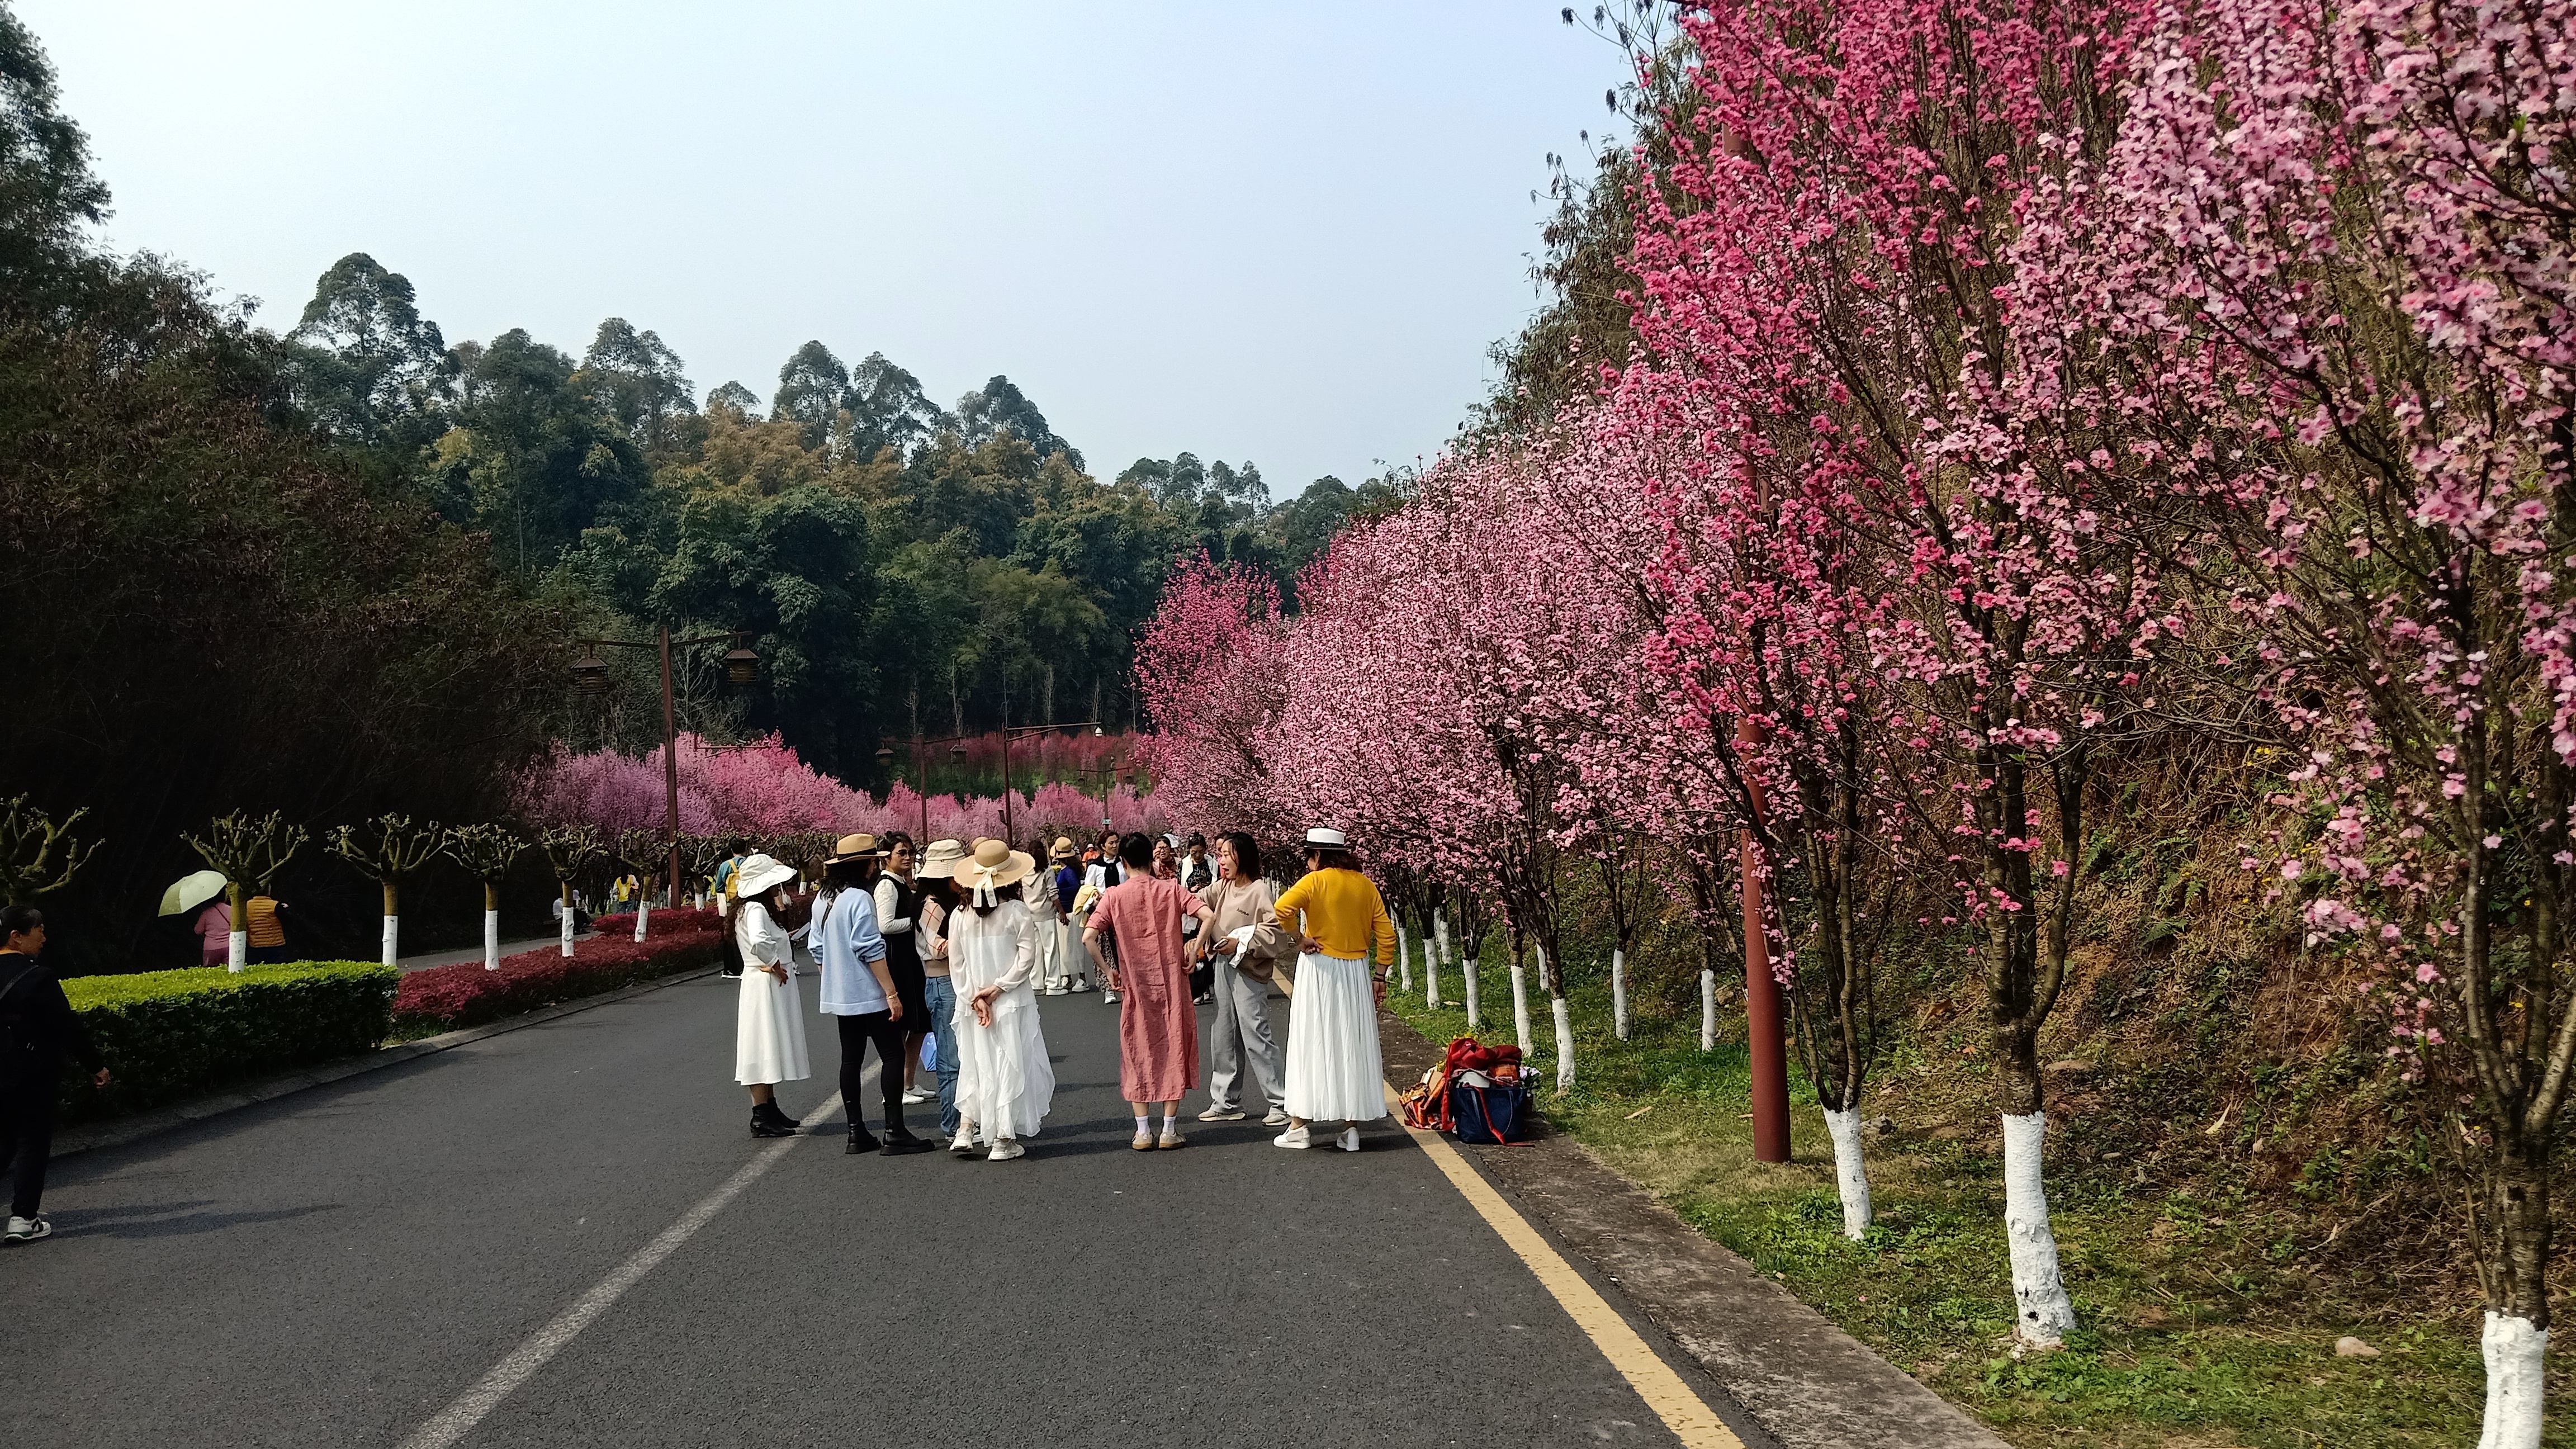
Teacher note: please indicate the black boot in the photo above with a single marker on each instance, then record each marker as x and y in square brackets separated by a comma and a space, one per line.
[764, 1127]
[899, 1141]
[859, 1141]
[769, 1111]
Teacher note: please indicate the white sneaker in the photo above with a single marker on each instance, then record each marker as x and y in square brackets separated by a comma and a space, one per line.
[1276, 1118]
[1293, 1137]
[1057, 990]
[1005, 1150]
[964, 1146]
[1080, 983]
[1109, 998]
[28, 1230]
[1349, 1141]
[1222, 1113]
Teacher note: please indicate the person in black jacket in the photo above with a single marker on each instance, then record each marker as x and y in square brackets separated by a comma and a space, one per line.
[36, 1028]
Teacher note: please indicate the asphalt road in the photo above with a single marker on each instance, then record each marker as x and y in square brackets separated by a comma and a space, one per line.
[337, 1267]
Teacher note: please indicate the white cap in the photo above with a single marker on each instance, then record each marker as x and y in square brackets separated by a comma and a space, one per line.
[1327, 835]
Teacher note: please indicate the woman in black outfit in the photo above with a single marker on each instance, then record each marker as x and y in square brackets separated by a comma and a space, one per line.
[36, 1028]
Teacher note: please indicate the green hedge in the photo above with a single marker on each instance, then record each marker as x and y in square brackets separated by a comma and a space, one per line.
[167, 1034]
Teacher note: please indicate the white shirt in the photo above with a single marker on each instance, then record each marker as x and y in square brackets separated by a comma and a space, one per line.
[890, 895]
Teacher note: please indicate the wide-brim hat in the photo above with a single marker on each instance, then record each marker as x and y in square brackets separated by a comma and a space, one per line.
[993, 864]
[1328, 838]
[1063, 849]
[852, 847]
[760, 874]
[939, 860]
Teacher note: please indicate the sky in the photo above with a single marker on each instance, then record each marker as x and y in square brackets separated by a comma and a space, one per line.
[1276, 233]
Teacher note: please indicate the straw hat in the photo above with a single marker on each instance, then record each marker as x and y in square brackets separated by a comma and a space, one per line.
[993, 865]
[939, 861]
[758, 875]
[1329, 838]
[853, 847]
[1063, 849]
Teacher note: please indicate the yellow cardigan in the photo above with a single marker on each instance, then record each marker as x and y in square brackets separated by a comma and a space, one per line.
[1343, 911]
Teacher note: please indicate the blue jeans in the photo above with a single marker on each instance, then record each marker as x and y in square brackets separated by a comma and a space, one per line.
[943, 1006]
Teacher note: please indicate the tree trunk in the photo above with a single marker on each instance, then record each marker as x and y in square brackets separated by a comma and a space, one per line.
[1619, 992]
[1520, 1004]
[393, 922]
[2042, 1312]
[2515, 1342]
[491, 926]
[1851, 1170]
[643, 908]
[1707, 1010]
[237, 948]
[1403, 957]
[566, 932]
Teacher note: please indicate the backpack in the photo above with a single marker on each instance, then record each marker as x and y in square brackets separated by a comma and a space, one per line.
[22, 1051]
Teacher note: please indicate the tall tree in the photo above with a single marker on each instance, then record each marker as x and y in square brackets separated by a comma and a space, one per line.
[1000, 407]
[368, 367]
[638, 381]
[47, 193]
[813, 385]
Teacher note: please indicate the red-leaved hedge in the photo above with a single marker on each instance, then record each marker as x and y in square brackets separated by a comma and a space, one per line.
[443, 998]
[682, 921]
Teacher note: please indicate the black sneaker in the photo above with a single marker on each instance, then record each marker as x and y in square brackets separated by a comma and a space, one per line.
[763, 1127]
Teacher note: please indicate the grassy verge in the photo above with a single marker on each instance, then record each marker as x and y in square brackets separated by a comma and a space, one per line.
[2199, 1330]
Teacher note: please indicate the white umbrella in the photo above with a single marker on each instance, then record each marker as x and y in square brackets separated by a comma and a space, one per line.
[190, 891]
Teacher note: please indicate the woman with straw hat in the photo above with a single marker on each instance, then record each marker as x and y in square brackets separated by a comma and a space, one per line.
[1336, 915]
[859, 994]
[1158, 1028]
[1004, 1082]
[769, 1032]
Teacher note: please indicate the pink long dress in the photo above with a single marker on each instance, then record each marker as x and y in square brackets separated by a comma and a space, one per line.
[1158, 1025]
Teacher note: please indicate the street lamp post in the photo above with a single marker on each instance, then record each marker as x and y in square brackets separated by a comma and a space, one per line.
[957, 746]
[742, 666]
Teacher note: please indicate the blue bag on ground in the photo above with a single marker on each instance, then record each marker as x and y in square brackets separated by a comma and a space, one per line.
[1489, 1115]
[930, 1051]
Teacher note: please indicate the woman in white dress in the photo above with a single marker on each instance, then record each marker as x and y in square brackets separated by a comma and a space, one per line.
[1004, 1082]
[1335, 1072]
[769, 1032]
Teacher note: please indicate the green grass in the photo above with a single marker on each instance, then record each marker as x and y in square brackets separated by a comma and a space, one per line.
[2197, 1329]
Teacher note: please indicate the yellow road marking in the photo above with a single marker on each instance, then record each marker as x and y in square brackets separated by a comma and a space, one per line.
[1683, 1412]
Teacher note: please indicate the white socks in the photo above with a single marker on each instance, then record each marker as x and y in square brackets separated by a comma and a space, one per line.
[1141, 1129]
[1171, 1127]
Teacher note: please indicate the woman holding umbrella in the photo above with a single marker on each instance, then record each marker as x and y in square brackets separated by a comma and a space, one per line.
[214, 924]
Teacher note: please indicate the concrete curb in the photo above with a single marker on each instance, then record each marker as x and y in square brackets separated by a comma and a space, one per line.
[1808, 1383]
[214, 1104]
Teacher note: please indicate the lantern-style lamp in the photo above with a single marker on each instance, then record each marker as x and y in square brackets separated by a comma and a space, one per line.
[590, 672]
[741, 665]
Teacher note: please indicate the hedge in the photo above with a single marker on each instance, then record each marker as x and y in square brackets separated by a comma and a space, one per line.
[444, 998]
[167, 1034]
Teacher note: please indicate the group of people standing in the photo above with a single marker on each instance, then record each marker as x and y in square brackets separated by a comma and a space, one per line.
[955, 942]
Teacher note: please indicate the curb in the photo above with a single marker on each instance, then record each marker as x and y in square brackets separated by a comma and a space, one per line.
[214, 1104]
[1805, 1381]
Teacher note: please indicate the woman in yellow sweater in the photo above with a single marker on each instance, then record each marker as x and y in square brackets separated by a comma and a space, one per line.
[1339, 921]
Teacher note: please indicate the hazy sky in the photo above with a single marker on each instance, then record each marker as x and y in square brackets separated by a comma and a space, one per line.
[1282, 233]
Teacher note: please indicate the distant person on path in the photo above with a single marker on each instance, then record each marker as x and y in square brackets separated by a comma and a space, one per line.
[214, 930]
[936, 900]
[1196, 873]
[1099, 956]
[769, 1032]
[1037, 892]
[1167, 864]
[1241, 937]
[1334, 1071]
[37, 1026]
[265, 923]
[1066, 881]
[1004, 1082]
[859, 994]
[1158, 1030]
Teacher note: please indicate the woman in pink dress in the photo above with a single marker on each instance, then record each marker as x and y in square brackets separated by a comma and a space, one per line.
[1158, 1025]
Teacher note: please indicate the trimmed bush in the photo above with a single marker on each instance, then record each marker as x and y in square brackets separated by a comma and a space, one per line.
[166, 1034]
[444, 998]
[683, 921]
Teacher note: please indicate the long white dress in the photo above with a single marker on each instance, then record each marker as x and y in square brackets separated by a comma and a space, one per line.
[1335, 1072]
[768, 1031]
[1004, 1082]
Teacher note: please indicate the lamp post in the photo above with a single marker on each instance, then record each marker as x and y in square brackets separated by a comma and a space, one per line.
[957, 746]
[741, 665]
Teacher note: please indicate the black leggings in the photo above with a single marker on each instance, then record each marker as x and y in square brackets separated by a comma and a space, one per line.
[856, 1033]
[26, 1141]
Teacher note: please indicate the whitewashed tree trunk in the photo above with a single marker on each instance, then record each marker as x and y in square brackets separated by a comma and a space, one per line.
[237, 951]
[1440, 933]
[1619, 992]
[567, 921]
[1430, 978]
[1851, 1171]
[1708, 1011]
[1564, 1045]
[1403, 957]
[2517, 1355]
[1520, 1009]
[2039, 1291]
[491, 928]
[393, 940]
[1475, 1002]
[643, 908]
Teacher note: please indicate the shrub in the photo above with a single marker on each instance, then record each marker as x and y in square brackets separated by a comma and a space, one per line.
[166, 1034]
[681, 921]
[444, 998]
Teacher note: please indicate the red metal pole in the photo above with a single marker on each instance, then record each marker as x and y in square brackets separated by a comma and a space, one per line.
[1765, 1030]
[1007, 837]
[671, 763]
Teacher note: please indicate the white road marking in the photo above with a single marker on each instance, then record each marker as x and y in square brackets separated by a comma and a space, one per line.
[469, 1408]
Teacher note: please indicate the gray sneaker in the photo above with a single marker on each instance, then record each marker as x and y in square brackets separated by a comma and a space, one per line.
[1222, 1113]
[1276, 1118]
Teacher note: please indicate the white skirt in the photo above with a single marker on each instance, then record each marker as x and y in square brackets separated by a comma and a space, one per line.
[1334, 1071]
[1004, 1081]
[768, 1031]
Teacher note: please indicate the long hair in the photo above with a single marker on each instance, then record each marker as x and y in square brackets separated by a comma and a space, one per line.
[1247, 856]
